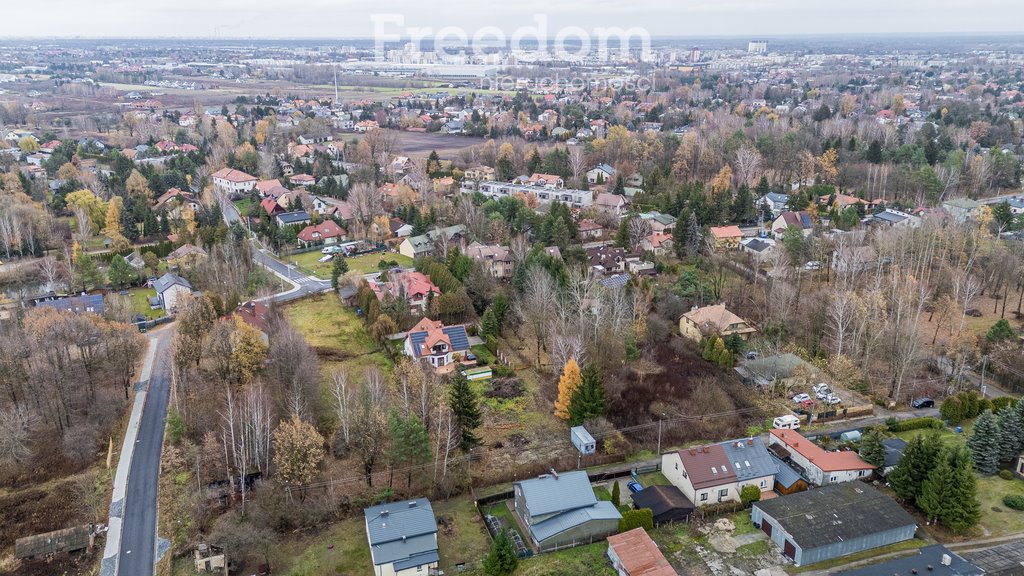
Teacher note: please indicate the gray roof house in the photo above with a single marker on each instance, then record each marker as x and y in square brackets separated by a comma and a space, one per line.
[402, 537]
[832, 521]
[561, 510]
[77, 304]
[169, 288]
[423, 245]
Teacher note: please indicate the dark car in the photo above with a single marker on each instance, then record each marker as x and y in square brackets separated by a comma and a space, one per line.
[923, 403]
[635, 487]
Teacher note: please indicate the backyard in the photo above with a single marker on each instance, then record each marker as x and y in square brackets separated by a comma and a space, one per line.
[357, 265]
[140, 302]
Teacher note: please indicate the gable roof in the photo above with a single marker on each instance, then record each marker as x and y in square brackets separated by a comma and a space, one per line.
[610, 200]
[750, 459]
[639, 555]
[827, 461]
[78, 304]
[325, 229]
[835, 513]
[231, 175]
[294, 217]
[165, 282]
[402, 532]
[661, 499]
[797, 219]
[785, 476]
[426, 333]
[550, 493]
[723, 232]
[716, 317]
[707, 466]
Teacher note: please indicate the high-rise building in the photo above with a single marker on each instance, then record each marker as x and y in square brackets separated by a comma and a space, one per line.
[757, 46]
[694, 55]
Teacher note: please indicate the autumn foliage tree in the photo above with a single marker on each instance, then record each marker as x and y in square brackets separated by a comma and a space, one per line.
[567, 385]
[298, 451]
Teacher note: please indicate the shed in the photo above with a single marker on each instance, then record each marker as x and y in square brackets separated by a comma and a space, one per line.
[67, 540]
[833, 521]
[667, 503]
[582, 440]
[788, 480]
[850, 436]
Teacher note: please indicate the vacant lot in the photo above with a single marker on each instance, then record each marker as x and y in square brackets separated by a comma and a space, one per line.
[336, 333]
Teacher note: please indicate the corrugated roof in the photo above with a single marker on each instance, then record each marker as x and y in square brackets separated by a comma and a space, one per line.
[639, 554]
[786, 476]
[401, 530]
[548, 493]
[835, 513]
[555, 525]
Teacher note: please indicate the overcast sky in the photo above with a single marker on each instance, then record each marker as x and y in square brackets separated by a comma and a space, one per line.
[352, 18]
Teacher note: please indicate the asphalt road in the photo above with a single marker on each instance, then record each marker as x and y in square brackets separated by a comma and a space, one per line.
[137, 556]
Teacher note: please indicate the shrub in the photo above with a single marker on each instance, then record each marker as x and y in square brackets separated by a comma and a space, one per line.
[750, 493]
[1006, 475]
[642, 518]
[502, 371]
[1014, 501]
[1003, 402]
[913, 424]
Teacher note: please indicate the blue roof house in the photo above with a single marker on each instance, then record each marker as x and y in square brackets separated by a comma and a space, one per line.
[402, 537]
[561, 510]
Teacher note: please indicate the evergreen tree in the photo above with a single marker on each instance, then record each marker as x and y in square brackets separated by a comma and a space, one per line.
[984, 443]
[935, 499]
[464, 404]
[871, 449]
[489, 323]
[567, 386]
[120, 273]
[501, 559]
[918, 460]
[1011, 430]
[694, 237]
[874, 153]
[338, 269]
[822, 113]
[620, 186]
[1000, 331]
[86, 273]
[616, 496]
[410, 443]
[589, 400]
[964, 510]
[762, 187]
[743, 205]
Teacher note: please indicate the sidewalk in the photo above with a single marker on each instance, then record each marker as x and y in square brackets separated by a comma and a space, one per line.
[113, 543]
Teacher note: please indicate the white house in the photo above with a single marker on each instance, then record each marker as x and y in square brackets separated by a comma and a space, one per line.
[436, 343]
[169, 290]
[602, 173]
[230, 181]
[402, 538]
[718, 472]
[820, 466]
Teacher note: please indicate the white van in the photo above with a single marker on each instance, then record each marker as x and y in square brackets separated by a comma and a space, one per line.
[787, 422]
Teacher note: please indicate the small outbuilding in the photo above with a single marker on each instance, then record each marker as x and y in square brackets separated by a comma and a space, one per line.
[667, 503]
[832, 521]
[582, 440]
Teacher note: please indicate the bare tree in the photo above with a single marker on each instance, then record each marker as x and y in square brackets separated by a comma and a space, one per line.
[342, 403]
[536, 305]
[15, 426]
[748, 165]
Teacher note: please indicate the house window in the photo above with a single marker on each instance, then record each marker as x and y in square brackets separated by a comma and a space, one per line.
[762, 483]
[677, 465]
[723, 493]
[704, 497]
[834, 479]
[860, 473]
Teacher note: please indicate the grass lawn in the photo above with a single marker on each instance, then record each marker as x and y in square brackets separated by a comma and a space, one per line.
[140, 302]
[243, 205]
[948, 436]
[911, 544]
[753, 549]
[336, 333]
[589, 560]
[996, 517]
[309, 261]
[744, 525]
[468, 543]
[655, 478]
[483, 354]
[357, 266]
[341, 549]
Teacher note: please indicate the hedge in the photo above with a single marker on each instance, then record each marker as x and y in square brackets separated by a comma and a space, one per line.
[913, 424]
[642, 518]
[1014, 501]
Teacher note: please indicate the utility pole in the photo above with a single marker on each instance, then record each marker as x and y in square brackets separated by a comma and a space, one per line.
[984, 363]
[660, 419]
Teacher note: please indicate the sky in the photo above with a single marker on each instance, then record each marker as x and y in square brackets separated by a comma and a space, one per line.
[339, 19]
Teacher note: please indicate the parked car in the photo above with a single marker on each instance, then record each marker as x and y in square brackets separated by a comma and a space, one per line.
[819, 387]
[833, 400]
[807, 404]
[331, 249]
[923, 403]
[787, 422]
[812, 265]
[753, 355]
[822, 393]
[800, 398]
[635, 487]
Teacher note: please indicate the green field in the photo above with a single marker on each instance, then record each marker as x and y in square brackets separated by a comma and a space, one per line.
[589, 560]
[357, 266]
[336, 333]
[140, 302]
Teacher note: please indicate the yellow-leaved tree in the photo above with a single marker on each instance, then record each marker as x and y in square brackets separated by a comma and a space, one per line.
[112, 224]
[298, 451]
[248, 351]
[567, 385]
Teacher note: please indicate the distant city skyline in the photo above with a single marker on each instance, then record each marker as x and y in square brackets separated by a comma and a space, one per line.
[340, 19]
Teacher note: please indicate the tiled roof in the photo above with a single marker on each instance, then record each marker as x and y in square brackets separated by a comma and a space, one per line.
[231, 175]
[639, 555]
[707, 466]
[726, 232]
[826, 461]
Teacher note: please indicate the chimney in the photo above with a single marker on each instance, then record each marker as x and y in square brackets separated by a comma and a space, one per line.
[750, 441]
[555, 474]
[946, 560]
[412, 504]
[693, 451]
[707, 450]
[930, 568]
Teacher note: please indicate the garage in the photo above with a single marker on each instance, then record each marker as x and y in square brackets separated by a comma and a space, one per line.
[789, 550]
[767, 527]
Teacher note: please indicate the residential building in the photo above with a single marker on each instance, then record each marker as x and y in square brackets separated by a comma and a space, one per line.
[293, 218]
[895, 218]
[660, 223]
[961, 209]
[820, 466]
[78, 304]
[496, 260]
[185, 255]
[713, 320]
[561, 510]
[479, 173]
[439, 345]
[757, 247]
[787, 479]
[424, 245]
[799, 220]
[607, 259]
[327, 232]
[777, 203]
[398, 228]
[1016, 204]
[402, 537]
[934, 560]
[612, 204]
[832, 521]
[230, 181]
[726, 237]
[718, 472]
[600, 174]
[894, 448]
[588, 229]
[301, 180]
[633, 553]
[257, 315]
[543, 194]
[658, 244]
[413, 287]
[170, 288]
[174, 199]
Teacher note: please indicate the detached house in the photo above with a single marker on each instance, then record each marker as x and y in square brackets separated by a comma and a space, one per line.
[327, 232]
[819, 466]
[229, 181]
[170, 288]
[726, 237]
[799, 220]
[439, 345]
[718, 472]
[424, 245]
[561, 510]
[660, 223]
[612, 204]
[402, 537]
[600, 174]
[658, 244]
[496, 260]
[713, 320]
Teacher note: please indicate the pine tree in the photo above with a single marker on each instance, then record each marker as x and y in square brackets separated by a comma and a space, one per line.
[936, 492]
[464, 405]
[1011, 428]
[871, 449]
[918, 460]
[338, 269]
[620, 187]
[567, 385]
[616, 496]
[120, 273]
[984, 443]
[489, 323]
[501, 559]
[964, 509]
[589, 400]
